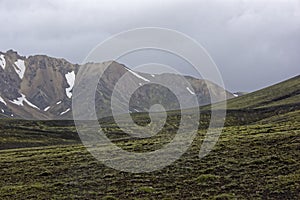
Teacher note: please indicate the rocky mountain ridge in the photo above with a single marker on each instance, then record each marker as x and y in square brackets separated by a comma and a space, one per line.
[40, 87]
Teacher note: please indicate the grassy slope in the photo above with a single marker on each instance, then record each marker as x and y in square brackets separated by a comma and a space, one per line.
[21, 133]
[257, 161]
[293, 116]
[284, 93]
[257, 156]
[277, 103]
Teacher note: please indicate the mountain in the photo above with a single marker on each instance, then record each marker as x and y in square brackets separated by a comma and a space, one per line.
[283, 93]
[273, 104]
[34, 87]
[40, 87]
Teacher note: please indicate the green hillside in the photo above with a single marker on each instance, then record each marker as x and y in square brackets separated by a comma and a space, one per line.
[256, 157]
[248, 162]
[281, 94]
[21, 133]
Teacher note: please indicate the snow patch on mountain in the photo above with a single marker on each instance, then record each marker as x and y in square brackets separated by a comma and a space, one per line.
[2, 110]
[2, 61]
[138, 76]
[47, 108]
[64, 112]
[70, 76]
[2, 100]
[59, 102]
[20, 102]
[20, 68]
[190, 91]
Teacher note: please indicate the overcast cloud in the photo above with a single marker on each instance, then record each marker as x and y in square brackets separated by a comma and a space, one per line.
[254, 43]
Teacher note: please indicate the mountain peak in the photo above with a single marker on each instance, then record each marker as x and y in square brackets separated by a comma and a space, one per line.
[40, 87]
[13, 55]
[11, 51]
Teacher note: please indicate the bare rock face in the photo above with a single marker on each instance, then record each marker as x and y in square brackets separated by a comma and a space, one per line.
[34, 87]
[40, 87]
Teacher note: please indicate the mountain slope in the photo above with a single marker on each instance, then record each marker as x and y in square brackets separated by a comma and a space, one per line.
[276, 103]
[281, 94]
[40, 87]
[33, 87]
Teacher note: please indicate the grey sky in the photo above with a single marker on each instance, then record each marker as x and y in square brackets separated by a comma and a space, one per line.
[254, 43]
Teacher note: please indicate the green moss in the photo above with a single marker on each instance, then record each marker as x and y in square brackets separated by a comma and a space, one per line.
[252, 161]
[224, 197]
[206, 178]
[109, 198]
[146, 189]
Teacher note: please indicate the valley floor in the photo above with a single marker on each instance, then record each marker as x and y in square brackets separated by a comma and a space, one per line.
[259, 161]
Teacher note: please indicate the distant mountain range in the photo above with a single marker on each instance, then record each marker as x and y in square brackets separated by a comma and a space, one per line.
[40, 87]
